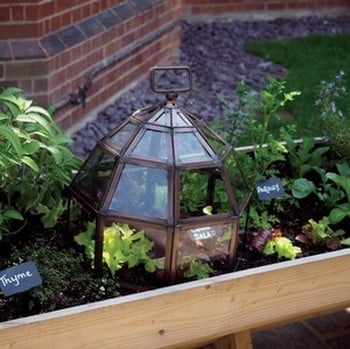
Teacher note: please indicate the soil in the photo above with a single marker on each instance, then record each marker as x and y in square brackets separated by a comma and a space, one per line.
[68, 279]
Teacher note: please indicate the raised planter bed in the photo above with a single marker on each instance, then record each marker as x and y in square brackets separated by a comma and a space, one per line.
[195, 313]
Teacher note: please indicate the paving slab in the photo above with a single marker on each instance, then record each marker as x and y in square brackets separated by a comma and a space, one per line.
[330, 331]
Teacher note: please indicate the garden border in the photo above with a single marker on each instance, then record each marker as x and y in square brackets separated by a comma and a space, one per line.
[195, 313]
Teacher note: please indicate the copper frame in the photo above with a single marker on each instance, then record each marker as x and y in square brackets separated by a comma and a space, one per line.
[173, 223]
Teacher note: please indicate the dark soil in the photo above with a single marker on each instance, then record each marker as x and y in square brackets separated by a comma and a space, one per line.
[213, 51]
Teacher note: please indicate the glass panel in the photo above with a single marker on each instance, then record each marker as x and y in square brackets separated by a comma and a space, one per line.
[204, 244]
[142, 191]
[159, 239]
[189, 148]
[202, 192]
[237, 179]
[154, 145]
[94, 176]
[173, 117]
[216, 143]
[161, 118]
[120, 138]
[179, 119]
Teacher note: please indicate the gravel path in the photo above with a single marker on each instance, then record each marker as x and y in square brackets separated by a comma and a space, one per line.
[214, 52]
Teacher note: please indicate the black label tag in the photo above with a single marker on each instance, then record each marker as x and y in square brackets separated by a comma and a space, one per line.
[19, 278]
[270, 188]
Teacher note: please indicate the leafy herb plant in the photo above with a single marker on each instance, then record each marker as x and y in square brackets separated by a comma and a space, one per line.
[35, 162]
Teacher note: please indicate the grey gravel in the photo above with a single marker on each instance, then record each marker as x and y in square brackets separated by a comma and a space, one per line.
[213, 50]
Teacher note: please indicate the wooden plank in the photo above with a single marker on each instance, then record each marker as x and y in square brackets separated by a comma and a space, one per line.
[194, 312]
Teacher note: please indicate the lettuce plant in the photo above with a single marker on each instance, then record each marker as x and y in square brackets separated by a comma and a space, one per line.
[320, 233]
[123, 246]
[272, 241]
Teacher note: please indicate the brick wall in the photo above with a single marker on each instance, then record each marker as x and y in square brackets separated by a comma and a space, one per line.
[35, 18]
[79, 53]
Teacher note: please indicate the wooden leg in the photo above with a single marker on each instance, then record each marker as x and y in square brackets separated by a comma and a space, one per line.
[240, 340]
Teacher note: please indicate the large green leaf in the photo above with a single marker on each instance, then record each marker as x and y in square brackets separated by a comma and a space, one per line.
[302, 187]
[343, 169]
[30, 147]
[56, 153]
[342, 181]
[31, 163]
[36, 119]
[13, 214]
[338, 213]
[39, 110]
[11, 137]
[3, 116]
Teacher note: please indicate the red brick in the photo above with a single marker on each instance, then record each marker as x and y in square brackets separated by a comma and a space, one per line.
[276, 6]
[26, 85]
[40, 85]
[19, 31]
[94, 57]
[86, 11]
[26, 69]
[5, 14]
[32, 13]
[40, 99]
[55, 23]
[17, 13]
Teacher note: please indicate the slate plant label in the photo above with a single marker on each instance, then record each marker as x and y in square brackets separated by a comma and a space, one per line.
[19, 278]
[270, 188]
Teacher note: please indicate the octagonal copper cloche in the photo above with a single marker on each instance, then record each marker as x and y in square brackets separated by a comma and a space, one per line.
[163, 171]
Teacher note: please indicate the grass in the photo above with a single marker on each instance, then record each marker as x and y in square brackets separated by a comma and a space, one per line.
[308, 61]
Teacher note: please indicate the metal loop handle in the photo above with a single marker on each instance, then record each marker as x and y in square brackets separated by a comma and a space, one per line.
[175, 68]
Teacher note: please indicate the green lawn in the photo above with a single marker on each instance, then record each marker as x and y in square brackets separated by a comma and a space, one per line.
[308, 60]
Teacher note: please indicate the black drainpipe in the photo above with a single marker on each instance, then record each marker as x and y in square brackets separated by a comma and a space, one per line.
[79, 96]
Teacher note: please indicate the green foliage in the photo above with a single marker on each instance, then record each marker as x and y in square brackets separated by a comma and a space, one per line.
[198, 270]
[250, 124]
[35, 162]
[66, 282]
[282, 246]
[302, 187]
[308, 60]
[255, 112]
[305, 157]
[193, 190]
[272, 241]
[260, 218]
[332, 188]
[325, 190]
[335, 124]
[320, 233]
[342, 209]
[122, 246]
